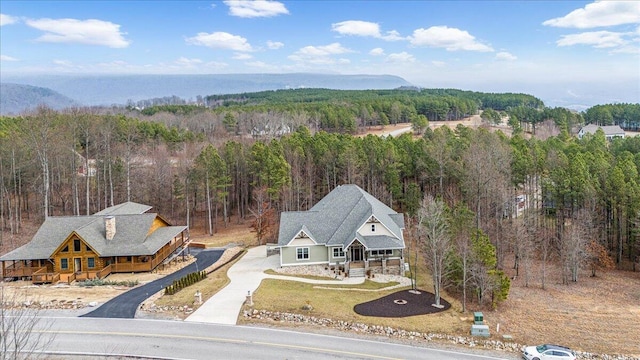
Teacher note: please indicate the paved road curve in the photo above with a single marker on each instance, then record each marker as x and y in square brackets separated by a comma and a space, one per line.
[125, 305]
[160, 339]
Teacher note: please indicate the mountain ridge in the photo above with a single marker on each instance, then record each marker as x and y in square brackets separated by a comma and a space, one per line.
[106, 90]
[20, 98]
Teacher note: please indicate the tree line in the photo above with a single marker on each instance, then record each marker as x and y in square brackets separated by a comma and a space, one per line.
[580, 198]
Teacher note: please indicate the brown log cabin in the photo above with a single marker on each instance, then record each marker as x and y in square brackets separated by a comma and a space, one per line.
[121, 238]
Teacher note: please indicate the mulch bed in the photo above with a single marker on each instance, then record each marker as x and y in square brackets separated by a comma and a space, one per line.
[401, 304]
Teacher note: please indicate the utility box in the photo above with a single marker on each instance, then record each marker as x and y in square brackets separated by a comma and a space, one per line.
[480, 330]
[478, 318]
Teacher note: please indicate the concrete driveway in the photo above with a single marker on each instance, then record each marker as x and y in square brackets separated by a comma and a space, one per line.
[245, 275]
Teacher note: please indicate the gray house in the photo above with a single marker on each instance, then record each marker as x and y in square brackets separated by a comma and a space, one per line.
[610, 132]
[348, 229]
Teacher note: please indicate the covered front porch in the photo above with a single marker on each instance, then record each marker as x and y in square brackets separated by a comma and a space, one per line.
[43, 270]
[361, 261]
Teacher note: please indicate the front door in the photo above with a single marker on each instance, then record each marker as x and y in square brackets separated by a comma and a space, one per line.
[356, 253]
[77, 265]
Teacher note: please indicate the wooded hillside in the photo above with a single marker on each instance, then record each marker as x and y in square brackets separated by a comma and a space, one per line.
[575, 202]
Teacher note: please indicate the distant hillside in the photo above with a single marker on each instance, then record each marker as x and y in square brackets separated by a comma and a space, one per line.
[118, 89]
[17, 98]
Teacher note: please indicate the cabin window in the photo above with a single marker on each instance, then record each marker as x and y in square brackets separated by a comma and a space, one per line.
[91, 263]
[338, 252]
[65, 249]
[76, 245]
[128, 258]
[388, 252]
[302, 253]
[373, 227]
[64, 264]
[86, 248]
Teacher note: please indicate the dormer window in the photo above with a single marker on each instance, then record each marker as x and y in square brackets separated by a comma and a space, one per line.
[373, 227]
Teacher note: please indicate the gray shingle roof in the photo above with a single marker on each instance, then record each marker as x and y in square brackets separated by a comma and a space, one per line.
[130, 238]
[126, 208]
[609, 130]
[335, 219]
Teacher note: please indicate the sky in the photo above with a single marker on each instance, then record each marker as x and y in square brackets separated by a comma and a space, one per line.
[564, 50]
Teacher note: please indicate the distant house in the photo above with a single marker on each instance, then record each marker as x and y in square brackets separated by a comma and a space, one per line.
[121, 238]
[267, 130]
[610, 132]
[82, 170]
[349, 229]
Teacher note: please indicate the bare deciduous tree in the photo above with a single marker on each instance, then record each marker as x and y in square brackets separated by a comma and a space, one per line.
[573, 247]
[22, 331]
[432, 222]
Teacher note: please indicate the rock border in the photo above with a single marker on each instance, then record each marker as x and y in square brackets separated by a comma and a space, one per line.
[378, 330]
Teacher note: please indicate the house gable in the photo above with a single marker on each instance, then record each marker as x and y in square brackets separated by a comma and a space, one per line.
[374, 227]
[302, 238]
[158, 222]
[68, 246]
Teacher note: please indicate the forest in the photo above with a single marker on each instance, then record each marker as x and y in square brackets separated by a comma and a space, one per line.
[507, 200]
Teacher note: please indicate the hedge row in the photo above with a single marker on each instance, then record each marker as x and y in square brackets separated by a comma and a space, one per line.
[185, 281]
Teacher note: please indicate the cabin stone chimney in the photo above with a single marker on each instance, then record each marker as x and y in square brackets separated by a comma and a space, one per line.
[110, 227]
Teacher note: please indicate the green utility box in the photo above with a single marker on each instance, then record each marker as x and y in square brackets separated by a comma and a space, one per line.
[478, 318]
[480, 330]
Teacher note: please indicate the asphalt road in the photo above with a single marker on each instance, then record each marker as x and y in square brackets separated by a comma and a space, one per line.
[163, 339]
[124, 306]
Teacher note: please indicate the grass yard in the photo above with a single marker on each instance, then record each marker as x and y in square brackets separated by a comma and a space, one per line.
[338, 304]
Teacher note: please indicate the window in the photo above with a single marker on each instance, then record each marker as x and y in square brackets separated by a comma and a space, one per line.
[65, 249]
[91, 262]
[86, 248]
[373, 227]
[76, 245]
[302, 253]
[64, 264]
[381, 252]
[338, 252]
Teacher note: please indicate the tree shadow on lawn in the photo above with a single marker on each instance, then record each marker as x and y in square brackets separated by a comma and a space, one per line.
[401, 304]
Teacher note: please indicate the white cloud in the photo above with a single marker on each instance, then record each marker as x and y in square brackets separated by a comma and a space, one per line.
[364, 28]
[7, 58]
[505, 56]
[90, 32]
[7, 20]
[255, 8]
[627, 49]
[402, 57]
[597, 39]
[320, 54]
[438, 63]
[183, 61]
[376, 52]
[598, 14]
[221, 40]
[325, 50]
[242, 56]
[452, 39]
[357, 28]
[274, 45]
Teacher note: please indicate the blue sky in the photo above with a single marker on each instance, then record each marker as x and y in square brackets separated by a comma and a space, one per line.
[564, 49]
